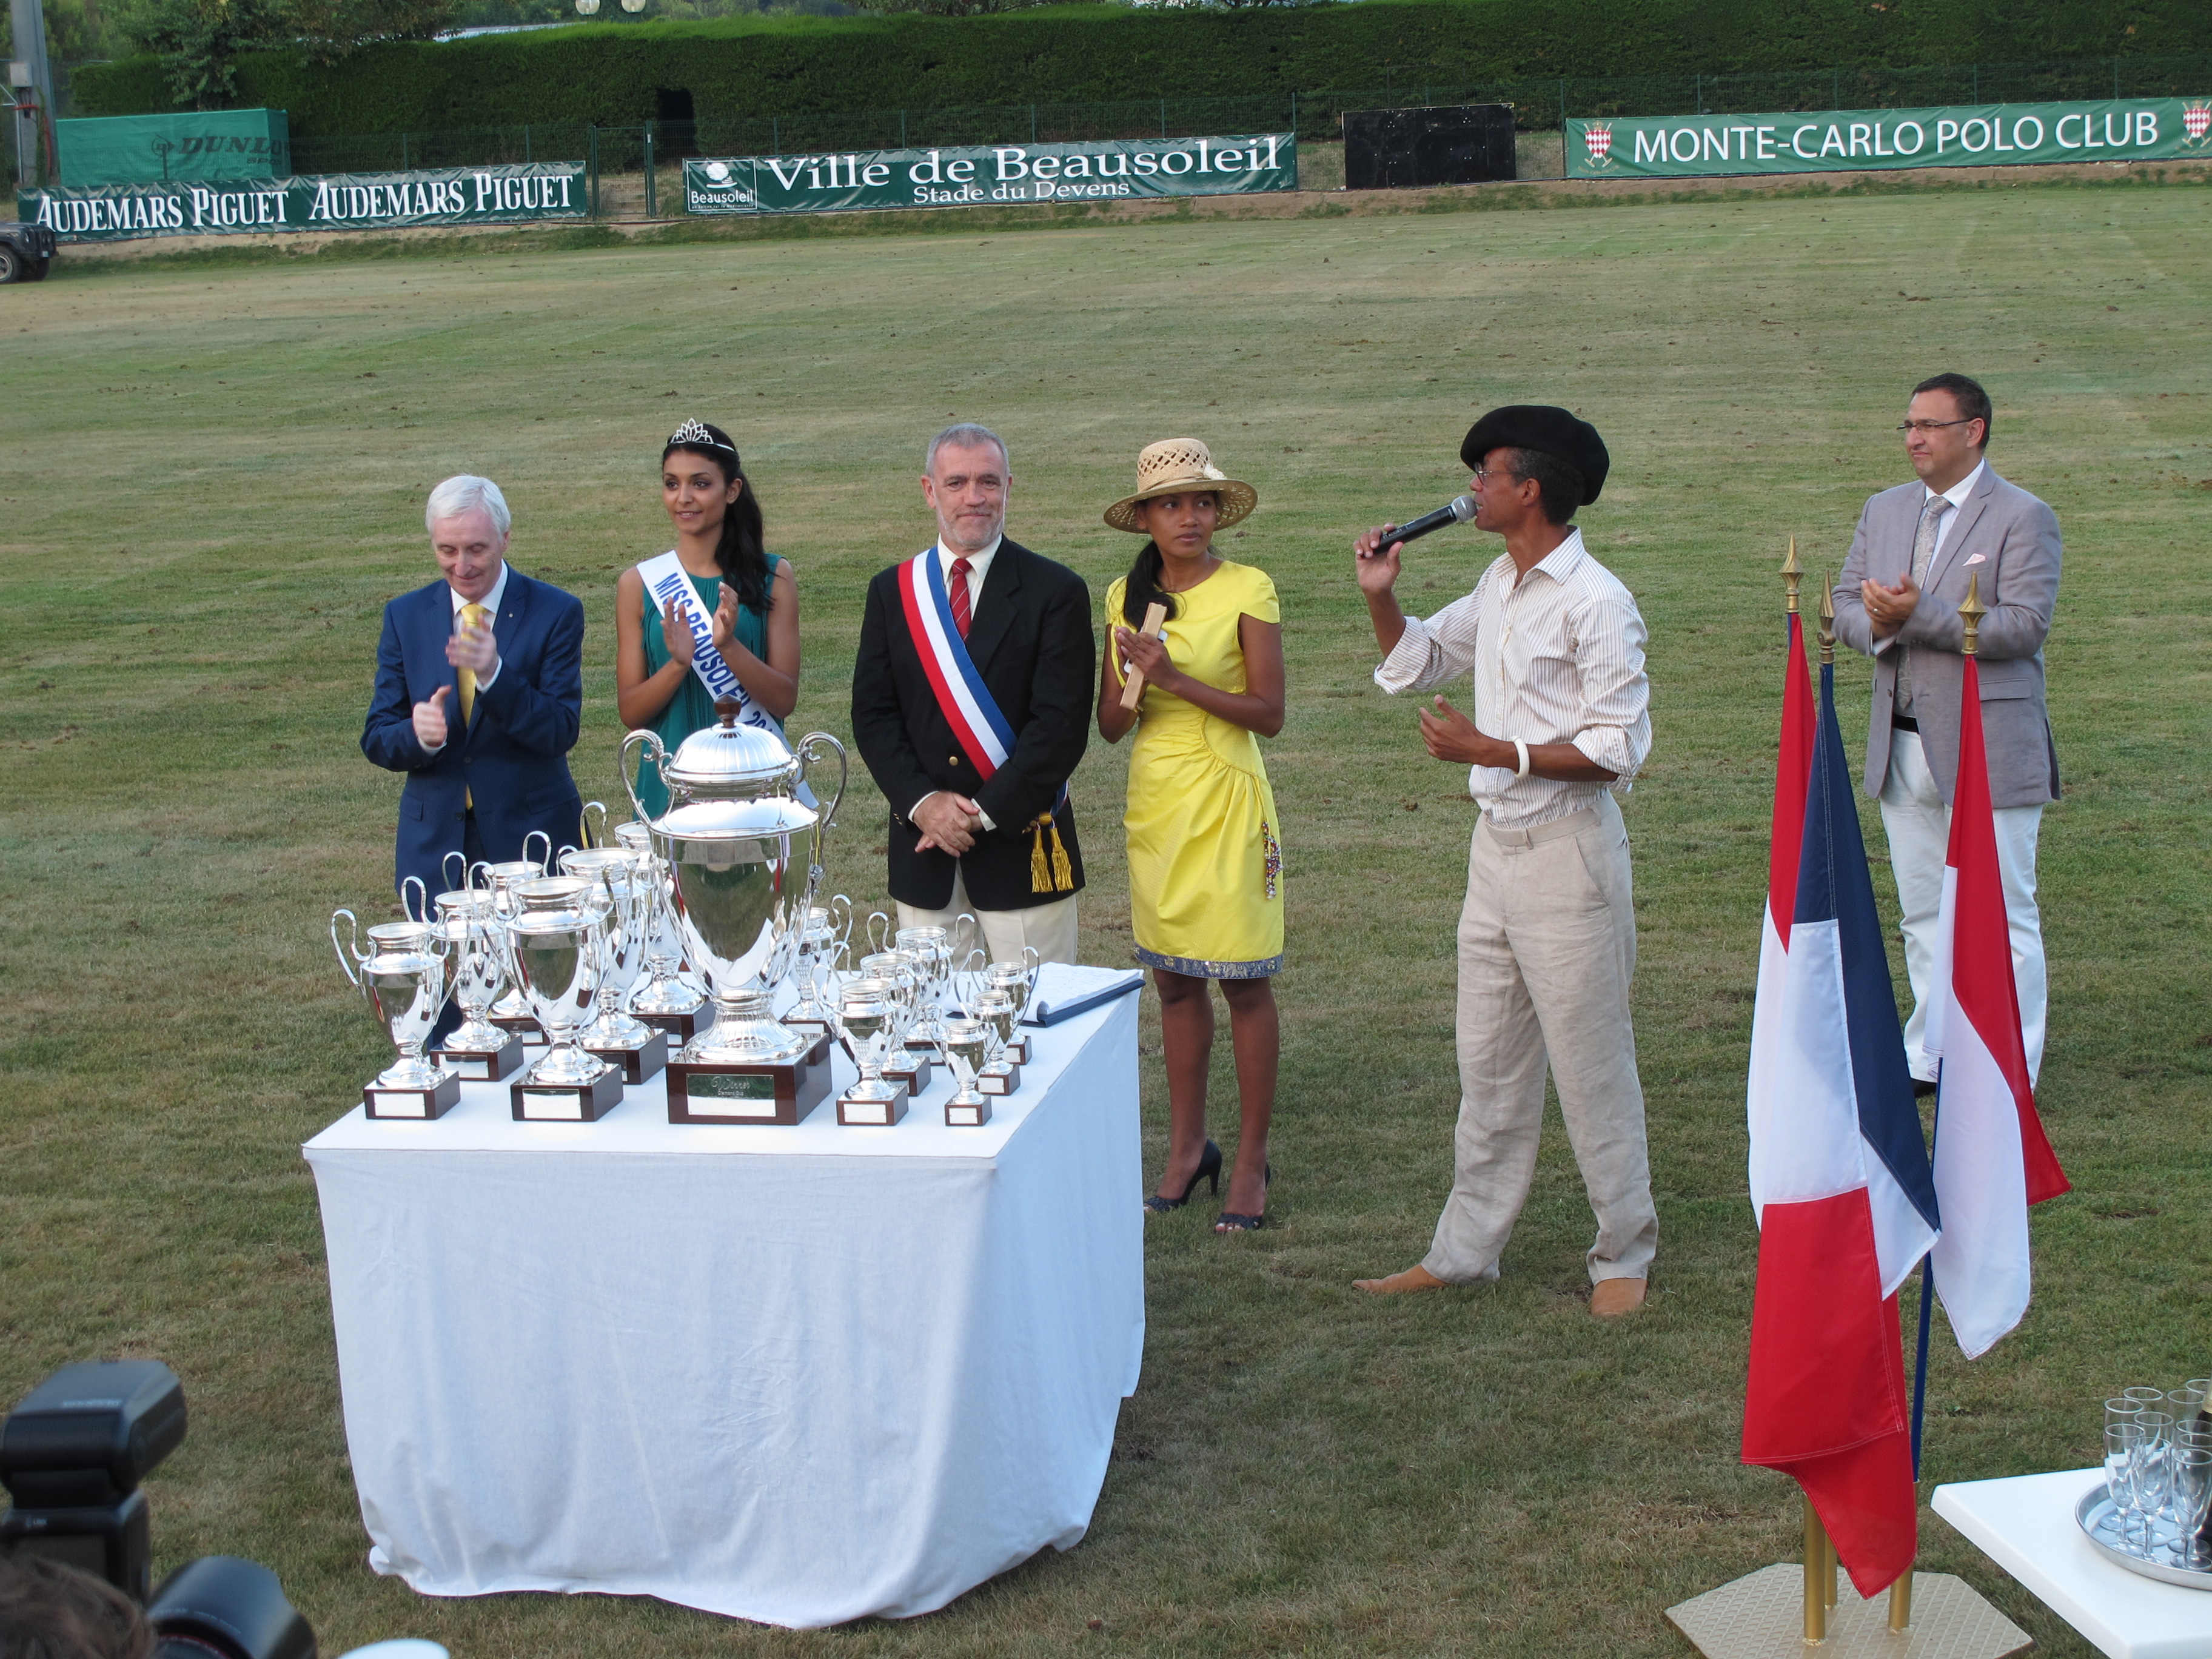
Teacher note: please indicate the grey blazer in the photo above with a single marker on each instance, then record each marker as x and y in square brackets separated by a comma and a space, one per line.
[2010, 540]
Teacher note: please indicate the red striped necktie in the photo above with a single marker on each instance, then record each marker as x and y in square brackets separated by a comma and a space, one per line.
[961, 611]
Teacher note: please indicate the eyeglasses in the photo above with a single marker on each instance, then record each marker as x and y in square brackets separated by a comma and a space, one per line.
[1932, 426]
[1484, 474]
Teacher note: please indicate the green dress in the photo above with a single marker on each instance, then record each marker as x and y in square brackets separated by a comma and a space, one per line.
[691, 709]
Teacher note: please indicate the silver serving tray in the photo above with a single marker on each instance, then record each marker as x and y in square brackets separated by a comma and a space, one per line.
[2095, 1513]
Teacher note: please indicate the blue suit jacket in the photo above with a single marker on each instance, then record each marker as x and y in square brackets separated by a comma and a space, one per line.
[513, 756]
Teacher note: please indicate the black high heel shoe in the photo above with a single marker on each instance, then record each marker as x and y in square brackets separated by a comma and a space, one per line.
[1208, 1170]
[1229, 1221]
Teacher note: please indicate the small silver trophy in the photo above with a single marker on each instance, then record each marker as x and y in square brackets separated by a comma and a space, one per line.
[476, 1048]
[970, 1045]
[557, 956]
[615, 1035]
[870, 1015]
[404, 976]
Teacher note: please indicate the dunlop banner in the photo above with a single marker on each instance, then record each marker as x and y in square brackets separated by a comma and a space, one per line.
[333, 201]
[1836, 141]
[1108, 170]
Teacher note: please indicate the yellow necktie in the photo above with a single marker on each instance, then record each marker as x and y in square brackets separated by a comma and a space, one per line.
[472, 616]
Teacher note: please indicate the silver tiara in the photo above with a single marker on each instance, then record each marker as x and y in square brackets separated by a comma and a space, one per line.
[692, 434]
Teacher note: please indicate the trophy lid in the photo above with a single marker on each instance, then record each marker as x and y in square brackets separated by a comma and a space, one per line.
[731, 760]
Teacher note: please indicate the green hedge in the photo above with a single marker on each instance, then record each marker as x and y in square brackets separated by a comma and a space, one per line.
[613, 73]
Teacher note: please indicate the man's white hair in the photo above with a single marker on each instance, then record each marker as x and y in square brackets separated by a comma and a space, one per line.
[966, 436]
[467, 493]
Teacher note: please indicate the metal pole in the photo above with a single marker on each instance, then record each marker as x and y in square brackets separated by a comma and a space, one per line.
[651, 206]
[29, 19]
[592, 160]
[1816, 1600]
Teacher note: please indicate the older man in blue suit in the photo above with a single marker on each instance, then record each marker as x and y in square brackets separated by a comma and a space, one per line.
[479, 692]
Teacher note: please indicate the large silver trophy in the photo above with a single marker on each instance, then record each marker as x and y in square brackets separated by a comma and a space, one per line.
[404, 976]
[741, 902]
[557, 950]
[616, 1035]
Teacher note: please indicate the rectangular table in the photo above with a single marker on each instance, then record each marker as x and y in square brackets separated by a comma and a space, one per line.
[2025, 1525]
[799, 1375]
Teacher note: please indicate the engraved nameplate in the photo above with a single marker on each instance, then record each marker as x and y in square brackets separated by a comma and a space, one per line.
[539, 1104]
[958, 1117]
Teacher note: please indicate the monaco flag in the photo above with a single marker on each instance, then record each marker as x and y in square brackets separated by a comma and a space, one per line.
[1839, 1174]
[1992, 1158]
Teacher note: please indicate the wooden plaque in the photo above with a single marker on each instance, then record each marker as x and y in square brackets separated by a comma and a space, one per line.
[682, 1027]
[959, 1115]
[639, 1063]
[421, 1105]
[876, 1113]
[999, 1081]
[566, 1103]
[917, 1078]
[483, 1064]
[707, 1093]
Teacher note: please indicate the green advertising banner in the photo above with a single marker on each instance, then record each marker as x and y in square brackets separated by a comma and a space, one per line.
[1838, 140]
[188, 148]
[334, 201]
[1116, 169]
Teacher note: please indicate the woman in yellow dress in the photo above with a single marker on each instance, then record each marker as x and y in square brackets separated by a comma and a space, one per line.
[1205, 888]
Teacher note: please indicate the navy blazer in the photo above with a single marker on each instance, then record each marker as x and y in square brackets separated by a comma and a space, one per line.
[513, 756]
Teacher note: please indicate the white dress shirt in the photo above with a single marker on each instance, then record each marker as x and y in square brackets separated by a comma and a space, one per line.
[979, 566]
[1558, 657]
[490, 603]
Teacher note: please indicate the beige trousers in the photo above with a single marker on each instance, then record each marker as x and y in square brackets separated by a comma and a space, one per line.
[1048, 929]
[1546, 945]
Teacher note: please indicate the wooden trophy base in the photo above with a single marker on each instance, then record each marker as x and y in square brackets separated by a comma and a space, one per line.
[1001, 1082]
[1018, 1050]
[566, 1103]
[965, 1114]
[636, 1064]
[483, 1064]
[421, 1105]
[683, 1026]
[876, 1114]
[525, 1026]
[916, 1077]
[703, 1092]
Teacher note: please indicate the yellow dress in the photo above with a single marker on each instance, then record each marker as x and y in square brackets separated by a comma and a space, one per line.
[1206, 868]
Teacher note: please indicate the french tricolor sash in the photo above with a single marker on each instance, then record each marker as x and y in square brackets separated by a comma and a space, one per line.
[983, 733]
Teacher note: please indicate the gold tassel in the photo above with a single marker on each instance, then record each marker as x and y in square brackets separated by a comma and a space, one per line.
[1040, 868]
[1063, 874]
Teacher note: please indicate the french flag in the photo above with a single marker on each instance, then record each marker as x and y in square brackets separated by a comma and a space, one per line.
[1992, 1158]
[1839, 1175]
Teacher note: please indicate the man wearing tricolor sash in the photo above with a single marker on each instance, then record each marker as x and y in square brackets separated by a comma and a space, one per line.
[971, 706]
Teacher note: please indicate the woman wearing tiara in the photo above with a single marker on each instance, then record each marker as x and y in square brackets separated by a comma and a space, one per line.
[716, 615]
[1206, 898]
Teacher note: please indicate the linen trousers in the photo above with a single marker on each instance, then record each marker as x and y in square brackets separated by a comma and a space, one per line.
[1919, 827]
[1048, 929]
[1546, 947]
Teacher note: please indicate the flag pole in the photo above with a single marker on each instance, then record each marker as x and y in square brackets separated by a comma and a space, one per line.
[1817, 1549]
[1792, 574]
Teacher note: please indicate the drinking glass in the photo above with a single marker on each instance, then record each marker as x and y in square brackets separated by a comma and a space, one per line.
[2121, 1409]
[2151, 1398]
[2153, 1473]
[2185, 1403]
[2190, 1466]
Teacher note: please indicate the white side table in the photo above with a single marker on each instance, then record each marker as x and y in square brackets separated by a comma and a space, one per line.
[2025, 1525]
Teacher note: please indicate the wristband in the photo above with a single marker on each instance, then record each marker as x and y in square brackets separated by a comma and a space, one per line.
[1521, 756]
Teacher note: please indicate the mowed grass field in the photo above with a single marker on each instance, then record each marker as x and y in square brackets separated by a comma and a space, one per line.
[211, 480]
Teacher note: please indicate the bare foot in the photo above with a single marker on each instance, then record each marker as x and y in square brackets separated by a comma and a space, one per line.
[1415, 1278]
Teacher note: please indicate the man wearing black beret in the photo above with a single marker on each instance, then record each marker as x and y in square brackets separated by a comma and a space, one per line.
[1547, 936]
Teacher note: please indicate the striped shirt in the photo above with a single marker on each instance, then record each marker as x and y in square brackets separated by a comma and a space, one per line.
[1557, 658]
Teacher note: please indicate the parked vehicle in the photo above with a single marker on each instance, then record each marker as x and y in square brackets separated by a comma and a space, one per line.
[26, 251]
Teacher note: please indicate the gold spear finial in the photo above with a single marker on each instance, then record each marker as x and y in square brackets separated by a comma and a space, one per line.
[1973, 610]
[1827, 621]
[1791, 573]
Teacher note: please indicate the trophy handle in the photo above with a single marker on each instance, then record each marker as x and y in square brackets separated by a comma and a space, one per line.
[415, 899]
[656, 751]
[584, 823]
[539, 835]
[840, 917]
[346, 962]
[805, 751]
[446, 871]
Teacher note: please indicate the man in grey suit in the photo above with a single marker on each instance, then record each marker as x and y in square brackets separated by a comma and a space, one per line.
[1916, 548]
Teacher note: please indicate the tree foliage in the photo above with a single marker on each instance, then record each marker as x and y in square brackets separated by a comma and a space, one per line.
[200, 42]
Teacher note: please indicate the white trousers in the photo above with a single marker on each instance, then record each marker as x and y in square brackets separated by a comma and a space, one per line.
[1048, 929]
[1546, 945]
[1919, 825]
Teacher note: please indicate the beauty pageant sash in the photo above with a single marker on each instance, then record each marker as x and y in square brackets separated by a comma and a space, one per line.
[667, 583]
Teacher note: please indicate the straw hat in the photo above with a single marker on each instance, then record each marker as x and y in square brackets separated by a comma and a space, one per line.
[1176, 466]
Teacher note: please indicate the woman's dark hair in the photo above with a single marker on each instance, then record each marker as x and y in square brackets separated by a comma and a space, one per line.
[741, 553]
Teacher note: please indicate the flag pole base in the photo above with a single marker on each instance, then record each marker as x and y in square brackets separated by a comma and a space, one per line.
[1762, 1616]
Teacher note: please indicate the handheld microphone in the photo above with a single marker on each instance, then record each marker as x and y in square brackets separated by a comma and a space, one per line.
[1458, 511]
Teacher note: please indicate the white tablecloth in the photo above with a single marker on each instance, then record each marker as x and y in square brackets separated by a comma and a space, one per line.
[2025, 1525]
[798, 1375]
